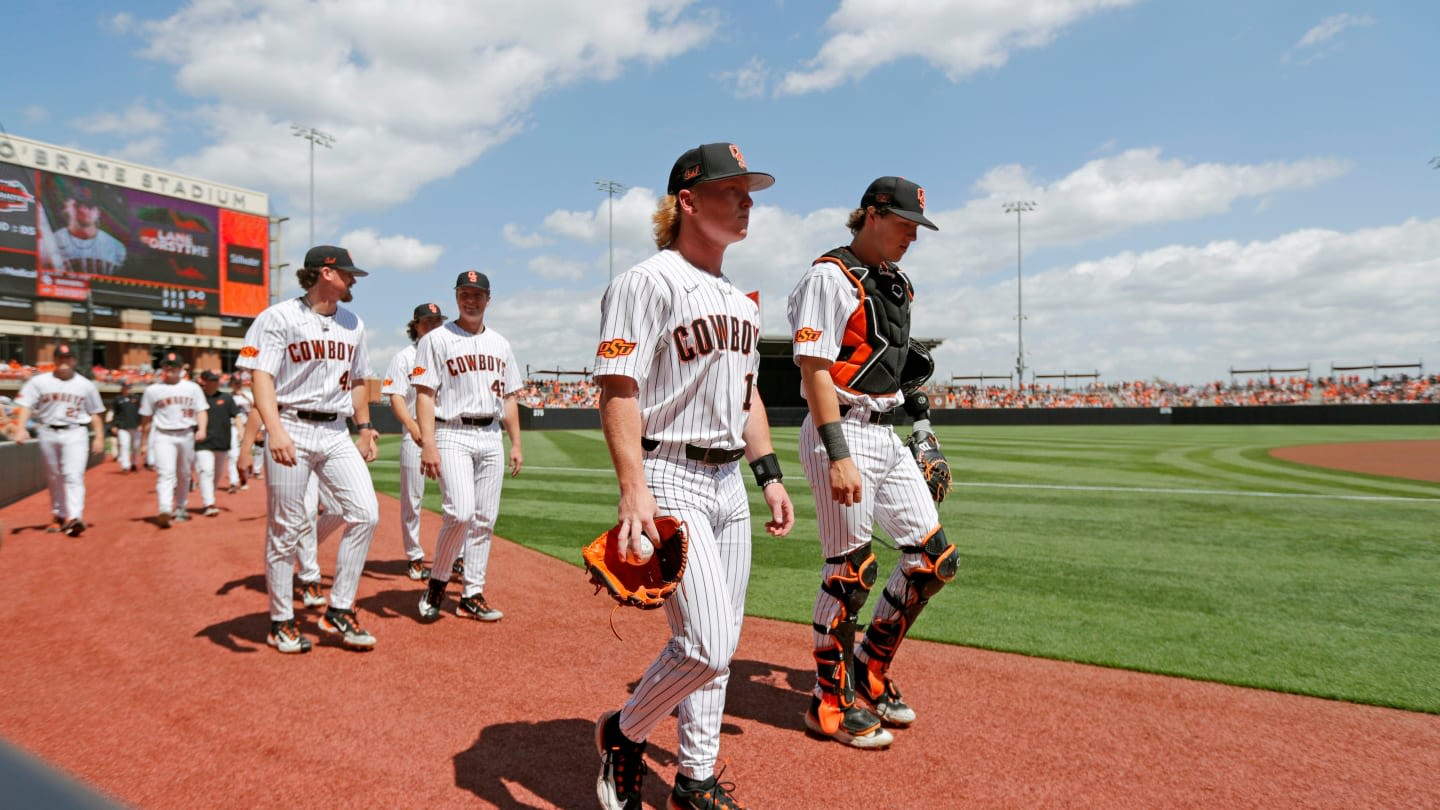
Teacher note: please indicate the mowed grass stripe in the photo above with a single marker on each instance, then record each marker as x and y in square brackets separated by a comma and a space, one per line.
[1179, 550]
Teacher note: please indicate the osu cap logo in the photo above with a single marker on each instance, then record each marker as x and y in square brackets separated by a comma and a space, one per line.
[436, 310]
[807, 335]
[920, 195]
[739, 158]
[249, 351]
[615, 347]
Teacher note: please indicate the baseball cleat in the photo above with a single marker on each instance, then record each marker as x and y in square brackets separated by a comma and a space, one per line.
[429, 611]
[417, 570]
[344, 624]
[56, 526]
[622, 765]
[181, 515]
[285, 636]
[883, 697]
[163, 520]
[475, 607]
[211, 511]
[75, 527]
[703, 794]
[232, 490]
[311, 594]
[853, 726]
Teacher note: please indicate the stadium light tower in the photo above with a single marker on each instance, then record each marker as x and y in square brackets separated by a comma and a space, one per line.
[611, 188]
[1019, 207]
[326, 140]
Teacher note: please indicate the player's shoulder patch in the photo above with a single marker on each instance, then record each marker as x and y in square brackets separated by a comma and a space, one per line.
[388, 381]
[807, 335]
[250, 351]
[614, 347]
[417, 371]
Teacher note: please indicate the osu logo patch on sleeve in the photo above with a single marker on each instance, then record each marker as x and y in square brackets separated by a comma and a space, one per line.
[807, 335]
[417, 372]
[249, 351]
[387, 381]
[615, 347]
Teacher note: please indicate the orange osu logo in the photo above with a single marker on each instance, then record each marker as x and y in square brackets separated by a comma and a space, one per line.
[471, 274]
[387, 381]
[739, 158]
[418, 371]
[615, 347]
[249, 351]
[807, 335]
[434, 310]
[920, 195]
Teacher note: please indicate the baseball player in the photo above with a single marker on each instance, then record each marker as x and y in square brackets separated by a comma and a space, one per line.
[125, 422]
[308, 365]
[221, 420]
[466, 385]
[677, 364]
[243, 406]
[402, 403]
[850, 314]
[173, 417]
[63, 402]
[81, 245]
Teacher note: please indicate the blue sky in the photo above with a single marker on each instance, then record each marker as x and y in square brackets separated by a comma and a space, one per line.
[1218, 185]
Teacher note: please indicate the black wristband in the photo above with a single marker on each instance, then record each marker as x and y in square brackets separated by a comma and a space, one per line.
[834, 440]
[767, 470]
[365, 426]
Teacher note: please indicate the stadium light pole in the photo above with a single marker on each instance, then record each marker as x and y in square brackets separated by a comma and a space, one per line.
[611, 188]
[326, 140]
[1019, 207]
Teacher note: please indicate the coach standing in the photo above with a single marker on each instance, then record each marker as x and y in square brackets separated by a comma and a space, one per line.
[125, 421]
[220, 428]
[63, 402]
[308, 362]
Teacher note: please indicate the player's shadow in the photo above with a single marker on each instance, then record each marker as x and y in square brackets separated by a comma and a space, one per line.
[768, 693]
[254, 582]
[42, 528]
[389, 568]
[398, 602]
[243, 634]
[553, 762]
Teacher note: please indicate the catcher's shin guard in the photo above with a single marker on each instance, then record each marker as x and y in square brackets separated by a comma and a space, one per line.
[938, 566]
[835, 659]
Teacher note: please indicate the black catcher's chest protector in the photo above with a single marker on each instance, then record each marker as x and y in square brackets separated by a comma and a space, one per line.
[877, 335]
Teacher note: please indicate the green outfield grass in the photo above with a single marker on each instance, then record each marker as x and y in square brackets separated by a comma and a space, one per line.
[1178, 550]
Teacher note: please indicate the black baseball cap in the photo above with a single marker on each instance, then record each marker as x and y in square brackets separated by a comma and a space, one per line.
[900, 196]
[472, 278]
[714, 161]
[63, 351]
[82, 193]
[428, 311]
[172, 359]
[331, 256]
[209, 375]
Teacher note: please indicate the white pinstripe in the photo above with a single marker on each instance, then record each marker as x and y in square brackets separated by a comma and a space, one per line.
[412, 479]
[314, 360]
[694, 358]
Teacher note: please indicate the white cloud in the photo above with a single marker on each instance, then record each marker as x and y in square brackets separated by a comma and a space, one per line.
[553, 269]
[138, 119]
[429, 88]
[35, 114]
[747, 81]
[1311, 45]
[513, 235]
[399, 254]
[960, 39]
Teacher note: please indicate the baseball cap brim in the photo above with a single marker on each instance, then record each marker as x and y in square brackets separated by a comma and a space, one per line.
[914, 217]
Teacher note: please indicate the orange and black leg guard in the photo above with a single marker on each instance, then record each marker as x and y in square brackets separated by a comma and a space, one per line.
[843, 592]
[922, 572]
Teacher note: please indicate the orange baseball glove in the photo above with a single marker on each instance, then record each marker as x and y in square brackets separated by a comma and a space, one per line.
[643, 585]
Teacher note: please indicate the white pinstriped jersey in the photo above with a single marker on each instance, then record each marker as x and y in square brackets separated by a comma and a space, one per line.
[173, 407]
[53, 401]
[470, 374]
[315, 359]
[397, 377]
[690, 341]
[820, 307]
[102, 255]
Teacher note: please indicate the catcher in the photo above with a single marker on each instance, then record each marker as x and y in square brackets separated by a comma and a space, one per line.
[851, 319]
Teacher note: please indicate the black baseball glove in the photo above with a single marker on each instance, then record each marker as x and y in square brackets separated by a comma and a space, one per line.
[933, 465]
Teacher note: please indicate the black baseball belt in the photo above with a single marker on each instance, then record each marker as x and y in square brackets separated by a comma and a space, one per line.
[704, 455]
[61, 427]
[875, 418]
[477, 421]
[315, 416]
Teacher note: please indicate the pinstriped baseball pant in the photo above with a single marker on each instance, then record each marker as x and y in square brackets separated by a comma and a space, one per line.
[324, 450]
[472, 472]
[412, 494]
[893, 493]
[705, 613]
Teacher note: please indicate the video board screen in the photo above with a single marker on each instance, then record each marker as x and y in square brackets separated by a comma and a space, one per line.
[62, 237]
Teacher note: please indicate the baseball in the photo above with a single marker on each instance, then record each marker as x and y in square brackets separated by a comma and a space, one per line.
[641, 550]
